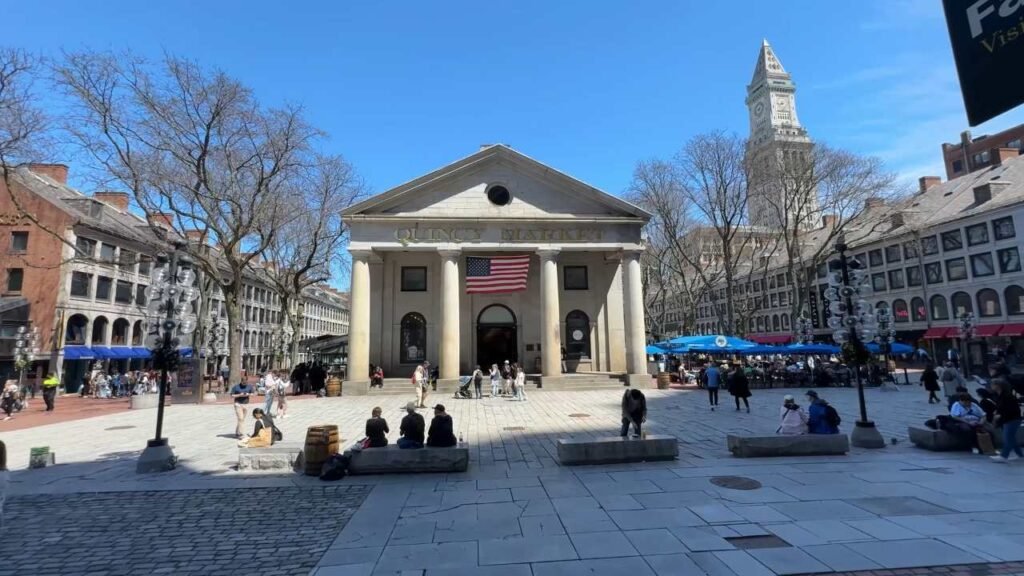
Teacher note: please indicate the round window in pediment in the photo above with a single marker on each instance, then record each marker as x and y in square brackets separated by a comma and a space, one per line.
[499, 195]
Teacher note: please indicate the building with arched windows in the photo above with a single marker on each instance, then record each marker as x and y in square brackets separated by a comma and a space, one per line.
[496, 257]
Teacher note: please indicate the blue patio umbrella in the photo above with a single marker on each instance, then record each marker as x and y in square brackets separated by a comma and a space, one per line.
[896, 348]
[710, 344]
[811, 349]
[760, 350]
[655, 349]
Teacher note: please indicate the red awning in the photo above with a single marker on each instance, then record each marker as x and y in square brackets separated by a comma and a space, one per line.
[1012, 330]
[770, 338]
[937, 332]
[987, 330]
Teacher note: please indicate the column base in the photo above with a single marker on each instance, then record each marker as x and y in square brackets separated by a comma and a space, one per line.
[865, 435]
[355, 387]
[157, 457]
[638, 380]
[209, 398]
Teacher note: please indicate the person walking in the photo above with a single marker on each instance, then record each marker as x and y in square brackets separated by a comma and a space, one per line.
[9, 399]
[241, 393]
[282, 396]
[930, 381]
[520, 382]
[506, 378]
[739, 387]
[495, 381]
[478, 381]
[712, 381]
[420, 380]
[952, 381]
[50, 390]
[269, 389]
[1008, 418]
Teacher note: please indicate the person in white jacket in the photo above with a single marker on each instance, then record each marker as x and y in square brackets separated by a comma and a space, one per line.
[520, 383]
[793, 417]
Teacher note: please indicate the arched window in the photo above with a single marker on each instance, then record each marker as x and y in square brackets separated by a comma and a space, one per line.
[881, 305]
[775, 323]
[75, 333]
[120, 337]
[496, 314]
[760, 323]
[917, 310]
[940, 311]
[785, 321]
[99, 331]
[900, 313]
[961, 304]
[413, 348]
[245, 340]
[577, 331]
[988, 303]
[1014, 300]
[750, 325]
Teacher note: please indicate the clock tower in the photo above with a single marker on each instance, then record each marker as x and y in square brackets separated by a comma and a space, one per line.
[775, 131]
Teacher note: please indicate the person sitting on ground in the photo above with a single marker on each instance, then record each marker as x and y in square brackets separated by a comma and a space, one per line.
[822, 418]
[411, 428]
[794, 419]
[441, 434]
[634, 411]
[377, 429]
[264, 434]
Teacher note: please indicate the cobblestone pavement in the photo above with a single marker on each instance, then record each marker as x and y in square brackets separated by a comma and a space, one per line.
[516, 512]
[1000, 569]
[199, 532]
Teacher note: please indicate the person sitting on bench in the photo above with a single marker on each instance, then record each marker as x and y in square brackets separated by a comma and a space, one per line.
[441, 433]
[411, 429]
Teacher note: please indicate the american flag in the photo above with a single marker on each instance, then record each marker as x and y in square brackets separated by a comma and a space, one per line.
[496, 274]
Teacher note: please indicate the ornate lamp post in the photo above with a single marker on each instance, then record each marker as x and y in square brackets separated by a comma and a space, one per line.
[170, 296]
[281, 340]
[854, 323]
[216, 337]
[968, 329]
[885, 333]
[804, 328]
[25, 352]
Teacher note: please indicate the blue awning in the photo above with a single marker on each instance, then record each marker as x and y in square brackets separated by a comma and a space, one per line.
[140, 353]
[77, 352]
[104, 352]
[120, 352]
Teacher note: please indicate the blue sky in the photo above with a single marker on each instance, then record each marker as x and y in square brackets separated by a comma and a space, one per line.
[590, 87]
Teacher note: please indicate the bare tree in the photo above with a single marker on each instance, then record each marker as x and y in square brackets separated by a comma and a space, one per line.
[310, 237]
[193, 144]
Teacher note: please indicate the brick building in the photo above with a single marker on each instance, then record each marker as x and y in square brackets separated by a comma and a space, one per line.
[974, 153]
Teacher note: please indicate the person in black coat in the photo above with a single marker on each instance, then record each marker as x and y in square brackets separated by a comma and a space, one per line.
[739, 387]
[1007, 418]
[930, 381]
[441, 433]
[634, 411]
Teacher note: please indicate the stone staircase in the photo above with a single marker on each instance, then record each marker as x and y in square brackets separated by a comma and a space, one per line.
[402, 386]
[580, 381]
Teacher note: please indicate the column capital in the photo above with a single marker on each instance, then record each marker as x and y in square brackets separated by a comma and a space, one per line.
[449, 253]
[548, 254]
[632, 254]
[361, 254]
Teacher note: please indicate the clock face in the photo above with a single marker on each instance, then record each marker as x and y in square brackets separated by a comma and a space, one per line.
[759, 109]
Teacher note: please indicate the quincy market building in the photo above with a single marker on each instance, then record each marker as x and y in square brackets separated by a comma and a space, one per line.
[583, 296]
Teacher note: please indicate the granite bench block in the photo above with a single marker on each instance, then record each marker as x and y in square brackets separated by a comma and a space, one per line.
[392, 460]
[614, 450]
[277, 457]
[942, 441]
[803, 445]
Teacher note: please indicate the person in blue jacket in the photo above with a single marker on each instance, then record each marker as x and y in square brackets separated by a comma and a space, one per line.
[822, 418]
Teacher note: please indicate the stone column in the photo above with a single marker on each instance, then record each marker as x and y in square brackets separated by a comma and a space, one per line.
[359, 329]
[450, 343]
[551, 333]
[633, 293]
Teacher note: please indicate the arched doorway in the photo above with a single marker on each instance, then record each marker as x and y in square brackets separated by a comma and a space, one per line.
[496, 336]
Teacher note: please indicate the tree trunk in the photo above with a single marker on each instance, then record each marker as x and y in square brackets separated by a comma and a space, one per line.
[296, 335]
[234, 331]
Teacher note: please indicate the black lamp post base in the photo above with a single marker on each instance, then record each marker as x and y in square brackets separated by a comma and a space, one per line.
[157, 457]
[865, 435]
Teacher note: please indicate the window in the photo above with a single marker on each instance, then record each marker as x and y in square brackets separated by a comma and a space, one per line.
[988, 303]
[939, 309]
[980, 159]
[875, 257]
[952, 240]
[913, 276]
[895, 279]
[956, 269]
[774, 300]
[878, 282]
[821, 271]
[961, 304]
[414, 278]
[933, 272]
[145, 265]
[1014, 300]
[15, 278]
[771, 283]
[900, 313]
[107, 252]
[86, 247]
[126, 261]
[123, 292]
[577, 330]
[909, 250]
[977, 234]
[81, 284]
[1003, 228]
[892, 254]
[140, 296]
[19, 241]
[958, 166]
[1009, 260]
[981, 265]
[499, 195]
[574, 277]
[103, 286]
[917, 310]
[862, 258]
[413, 339]
[929, 245]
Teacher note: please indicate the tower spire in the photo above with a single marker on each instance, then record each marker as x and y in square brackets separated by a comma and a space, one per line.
[768, 64]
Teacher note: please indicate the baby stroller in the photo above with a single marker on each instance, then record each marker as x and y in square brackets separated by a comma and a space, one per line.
[463, 391]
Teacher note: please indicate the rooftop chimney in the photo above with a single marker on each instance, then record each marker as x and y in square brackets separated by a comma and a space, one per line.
[118, 200]
[196, 236]
[988, 190]
[896, 220]
[1000, 155]
[926, 182]
[58, 172]
[829, 220]
[874, 202]
[163, 219]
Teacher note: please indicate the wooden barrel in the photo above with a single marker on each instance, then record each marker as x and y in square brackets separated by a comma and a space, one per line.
[664, 379]
[3, 456]
[334, 386]
[321, 442]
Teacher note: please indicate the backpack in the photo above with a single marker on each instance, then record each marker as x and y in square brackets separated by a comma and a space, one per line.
[334, 468]
[832, 417]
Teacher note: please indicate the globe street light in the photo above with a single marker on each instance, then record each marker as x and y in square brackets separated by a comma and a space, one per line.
[170, 297]
[968, 329]
[217, 336]
[25, 353]
[853, 322]
[804, 329]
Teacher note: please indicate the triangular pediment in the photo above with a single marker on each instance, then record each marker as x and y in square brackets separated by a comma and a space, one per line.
[460, 190]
